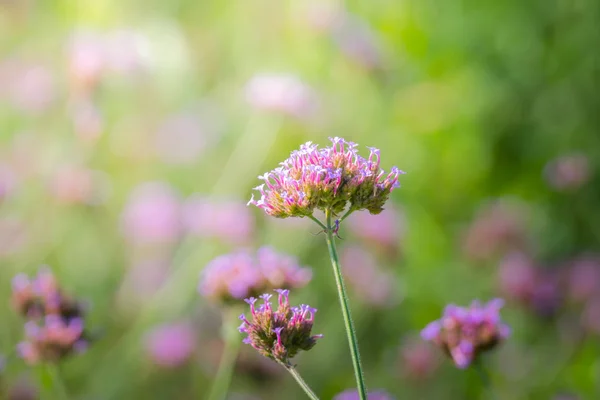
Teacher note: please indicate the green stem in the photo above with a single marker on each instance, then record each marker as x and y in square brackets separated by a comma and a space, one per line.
[57, 383]
[350, 331]
[301, 381]
[485, 379]
[231, 348]
[318, 222]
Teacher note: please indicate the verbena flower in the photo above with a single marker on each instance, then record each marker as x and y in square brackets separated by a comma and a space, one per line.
[52, 339]
[352, 394]
[171, 345]
[465, 332]
[55, 326]
[242, 274]
[332, 178]
[279, 334]
[35, 298]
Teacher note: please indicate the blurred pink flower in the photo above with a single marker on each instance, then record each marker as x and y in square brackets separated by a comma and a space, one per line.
[386, 228]
[418, 360]
[583, 280]
[357, 41]
[227, 220]
[171, 345]
[283, 93]
[590, 319]
[30, 87]
[181, 139]
[152, 214]
[498, 228]
[23, 389]
[87, 120]
[372, 285]
[568, 172]
[8, 181]
[517, 276]
[78, 185]
[243, 274]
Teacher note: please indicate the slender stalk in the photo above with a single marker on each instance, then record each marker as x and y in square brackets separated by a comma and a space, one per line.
[350, 331]
[485, 379]
[318, 222]
[58, 385]
[301, 381]
[231, 349]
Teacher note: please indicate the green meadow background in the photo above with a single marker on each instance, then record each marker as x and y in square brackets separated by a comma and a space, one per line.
[475, 100]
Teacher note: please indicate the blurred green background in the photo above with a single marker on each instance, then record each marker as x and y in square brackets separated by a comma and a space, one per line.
[491, 107]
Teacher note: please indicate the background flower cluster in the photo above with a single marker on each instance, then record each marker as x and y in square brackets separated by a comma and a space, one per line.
[132, 134]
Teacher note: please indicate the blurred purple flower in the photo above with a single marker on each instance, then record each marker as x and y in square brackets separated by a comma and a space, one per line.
[357, 41]
[279, 334]
[498, 228]
[517, 276]
[8, 180]
[152, 214]
[226, 220]
[182, 138]
[386, 228]
[327, 178]
[583, 280]
[30, 87]
[352, 394]
[465, 332]
[78, 185]
[171, 345]
[590, 318]
[282, 93]
[23, 389]
[371, 284]
[569, 172]
[417, 360]
[241, 274]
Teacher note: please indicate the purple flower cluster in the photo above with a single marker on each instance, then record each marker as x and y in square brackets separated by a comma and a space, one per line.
[327, 178]
[55, 326]
[242, 274]
[463, 333]
[279, 334]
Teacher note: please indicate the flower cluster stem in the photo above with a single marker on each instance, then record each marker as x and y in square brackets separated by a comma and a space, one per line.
[57, 383]
[231, 349]
[301, 381]
[485, 379]
[349, 324]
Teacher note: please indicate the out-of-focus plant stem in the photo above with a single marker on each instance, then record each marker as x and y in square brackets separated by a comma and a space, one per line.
[231, 349]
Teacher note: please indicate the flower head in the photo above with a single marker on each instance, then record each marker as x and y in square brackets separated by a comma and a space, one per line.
[171, 345]
[41, 296]
[279, 333]
[242, 274]
[55, 326]
[332, 178]
[464, 333]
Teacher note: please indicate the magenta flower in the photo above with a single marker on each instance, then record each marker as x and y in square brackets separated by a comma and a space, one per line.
[330, 178]
[55, 328]
[282, 93]
[35, 298]
[464, 333]
[227, 220]
[242, 274]
[52, 339]
[171, 345]
[569, 172]
[152, 214]
[279, 334]
[373, 285]
[352, 394]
